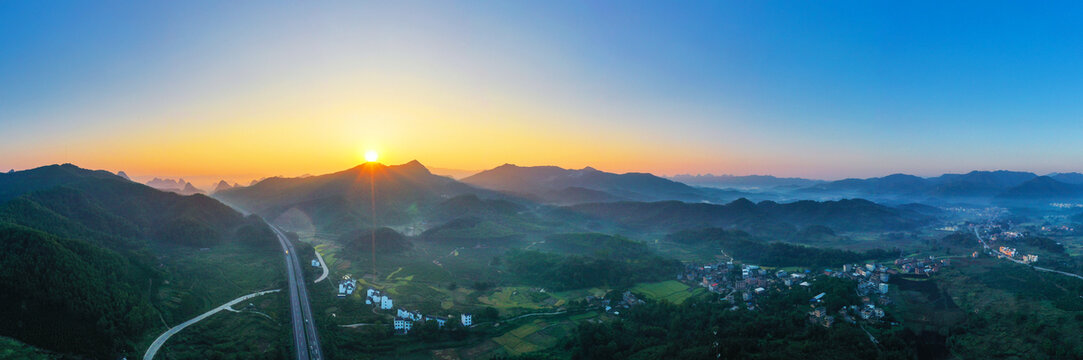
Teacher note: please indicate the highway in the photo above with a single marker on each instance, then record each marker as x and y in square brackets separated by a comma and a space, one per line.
[154, 347]
[305, 339]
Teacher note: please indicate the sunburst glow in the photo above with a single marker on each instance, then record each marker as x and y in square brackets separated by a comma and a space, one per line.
[371, 156]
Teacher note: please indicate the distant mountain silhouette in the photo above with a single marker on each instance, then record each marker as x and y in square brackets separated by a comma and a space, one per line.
[166, 184]
[177, 186]
[190, 189]
[222, 185]
[1070, 178]
[557, 185]
[980, 186]
[902, 184]
[978, 183]
[341, 201]
[123, 175]
[1043, 188]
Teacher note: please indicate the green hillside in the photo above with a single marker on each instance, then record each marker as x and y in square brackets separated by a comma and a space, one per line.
[96, 263]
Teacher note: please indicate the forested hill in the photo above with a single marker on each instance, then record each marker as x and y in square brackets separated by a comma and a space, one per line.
[20, 182]
[79, 267]
[763, 218]
[748, 248]
[110, 210]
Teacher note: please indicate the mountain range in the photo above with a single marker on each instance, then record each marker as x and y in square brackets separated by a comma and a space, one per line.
[557, 185]
[509, 199]
[177, 186]
[343, 201]
[1010, 187]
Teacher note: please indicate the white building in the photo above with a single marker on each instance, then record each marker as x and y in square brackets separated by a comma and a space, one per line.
[346, 287]
[467, 319]
[385, 303]
[439, 321]
[883, 288]
[403, 325]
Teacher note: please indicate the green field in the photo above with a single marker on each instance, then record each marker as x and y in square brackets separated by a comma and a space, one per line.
[670, 290]
[540, 334]
[520, 297]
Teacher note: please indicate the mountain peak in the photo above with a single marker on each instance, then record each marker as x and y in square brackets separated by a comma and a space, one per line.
[221, 186]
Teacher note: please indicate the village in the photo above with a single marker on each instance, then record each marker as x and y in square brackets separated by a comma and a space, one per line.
[404, 320]
[752, 283]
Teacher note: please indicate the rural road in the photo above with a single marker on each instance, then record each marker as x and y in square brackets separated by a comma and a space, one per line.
[305, 339]
[1039, 268]
[157, 344]
[323, 265]
[523, 316]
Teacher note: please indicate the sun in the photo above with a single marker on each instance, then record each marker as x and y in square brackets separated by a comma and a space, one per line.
[371, 156]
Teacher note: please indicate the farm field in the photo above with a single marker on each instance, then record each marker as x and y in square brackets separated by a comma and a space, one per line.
[669, 290]
[539, 334]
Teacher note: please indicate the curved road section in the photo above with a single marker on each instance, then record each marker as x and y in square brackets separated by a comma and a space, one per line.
[322, 264]
[305, 339]
[154, 347]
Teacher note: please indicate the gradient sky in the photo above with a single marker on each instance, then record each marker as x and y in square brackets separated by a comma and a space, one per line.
[805, 88]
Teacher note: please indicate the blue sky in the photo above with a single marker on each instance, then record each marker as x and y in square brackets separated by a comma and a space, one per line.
[815, 89]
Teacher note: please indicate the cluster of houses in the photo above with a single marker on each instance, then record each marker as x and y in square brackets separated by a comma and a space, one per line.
[1057, 229]
[819, 316]
[346, 286]
[750, 280]
[404, 320]
[373, 296]
[727, 279]
[872, 280]
[626, 301]
[920, 266]
[1010, 252]
[1006, 235]
[866, 312]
